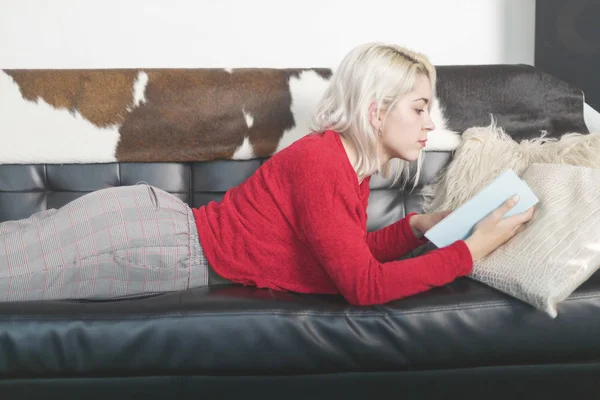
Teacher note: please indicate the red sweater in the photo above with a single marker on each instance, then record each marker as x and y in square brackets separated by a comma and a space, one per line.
[299, 224]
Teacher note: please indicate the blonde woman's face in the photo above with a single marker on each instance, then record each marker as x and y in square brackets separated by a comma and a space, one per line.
[404, 132]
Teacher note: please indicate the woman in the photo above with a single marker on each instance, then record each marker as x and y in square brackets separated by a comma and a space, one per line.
[298, 223]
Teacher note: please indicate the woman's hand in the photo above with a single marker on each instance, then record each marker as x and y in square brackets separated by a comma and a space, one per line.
[421, 223]
[495, 230]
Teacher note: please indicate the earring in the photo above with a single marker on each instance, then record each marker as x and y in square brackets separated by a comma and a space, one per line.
[379, 131]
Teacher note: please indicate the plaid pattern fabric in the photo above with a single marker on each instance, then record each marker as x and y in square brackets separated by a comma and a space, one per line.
[118, 242]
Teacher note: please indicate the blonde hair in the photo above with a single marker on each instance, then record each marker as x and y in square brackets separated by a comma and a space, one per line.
[372, 72]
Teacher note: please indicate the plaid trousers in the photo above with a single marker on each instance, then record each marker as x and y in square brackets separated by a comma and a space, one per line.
[112, 243]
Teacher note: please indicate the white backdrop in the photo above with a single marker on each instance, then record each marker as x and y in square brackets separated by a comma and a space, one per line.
[242, 33]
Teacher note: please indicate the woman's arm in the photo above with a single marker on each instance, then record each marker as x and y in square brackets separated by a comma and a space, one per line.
[329, 224]
[395, 240]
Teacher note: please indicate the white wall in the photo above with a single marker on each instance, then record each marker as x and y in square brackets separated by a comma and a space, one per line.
[249, 33]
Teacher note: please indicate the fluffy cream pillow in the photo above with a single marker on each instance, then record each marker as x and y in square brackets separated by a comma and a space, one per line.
[560, 249]
[485, 152]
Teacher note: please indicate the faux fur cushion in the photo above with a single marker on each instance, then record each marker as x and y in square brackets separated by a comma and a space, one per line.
[560, 249]
[485, 152]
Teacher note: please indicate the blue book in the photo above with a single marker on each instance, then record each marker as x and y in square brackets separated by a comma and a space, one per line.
[460, 223]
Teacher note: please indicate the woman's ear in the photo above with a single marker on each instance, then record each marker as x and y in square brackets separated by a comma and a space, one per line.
[374, 117]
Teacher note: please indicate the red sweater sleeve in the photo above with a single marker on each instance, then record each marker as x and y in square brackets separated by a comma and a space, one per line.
[329, 221]
[394, 241]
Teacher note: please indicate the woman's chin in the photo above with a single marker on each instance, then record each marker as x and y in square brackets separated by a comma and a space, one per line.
[412, 156]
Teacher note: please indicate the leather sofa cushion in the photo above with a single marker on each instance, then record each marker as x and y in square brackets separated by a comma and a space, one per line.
[230, 329]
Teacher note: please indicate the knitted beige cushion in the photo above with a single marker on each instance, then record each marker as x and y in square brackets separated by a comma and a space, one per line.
[560, 248]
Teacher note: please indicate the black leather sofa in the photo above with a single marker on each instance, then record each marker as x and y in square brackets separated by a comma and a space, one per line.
[464, 340]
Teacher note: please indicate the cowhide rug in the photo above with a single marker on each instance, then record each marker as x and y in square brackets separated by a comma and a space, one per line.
[180, 115]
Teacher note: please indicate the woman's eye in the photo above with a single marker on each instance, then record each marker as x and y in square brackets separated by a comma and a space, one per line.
[419, 111]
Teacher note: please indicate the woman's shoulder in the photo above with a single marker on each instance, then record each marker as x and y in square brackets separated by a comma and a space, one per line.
[316, 149]
[317, 158]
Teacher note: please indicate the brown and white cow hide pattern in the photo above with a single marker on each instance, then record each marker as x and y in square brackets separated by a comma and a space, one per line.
[155, 115]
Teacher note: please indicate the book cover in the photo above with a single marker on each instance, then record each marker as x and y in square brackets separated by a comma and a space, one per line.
[460, 223]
